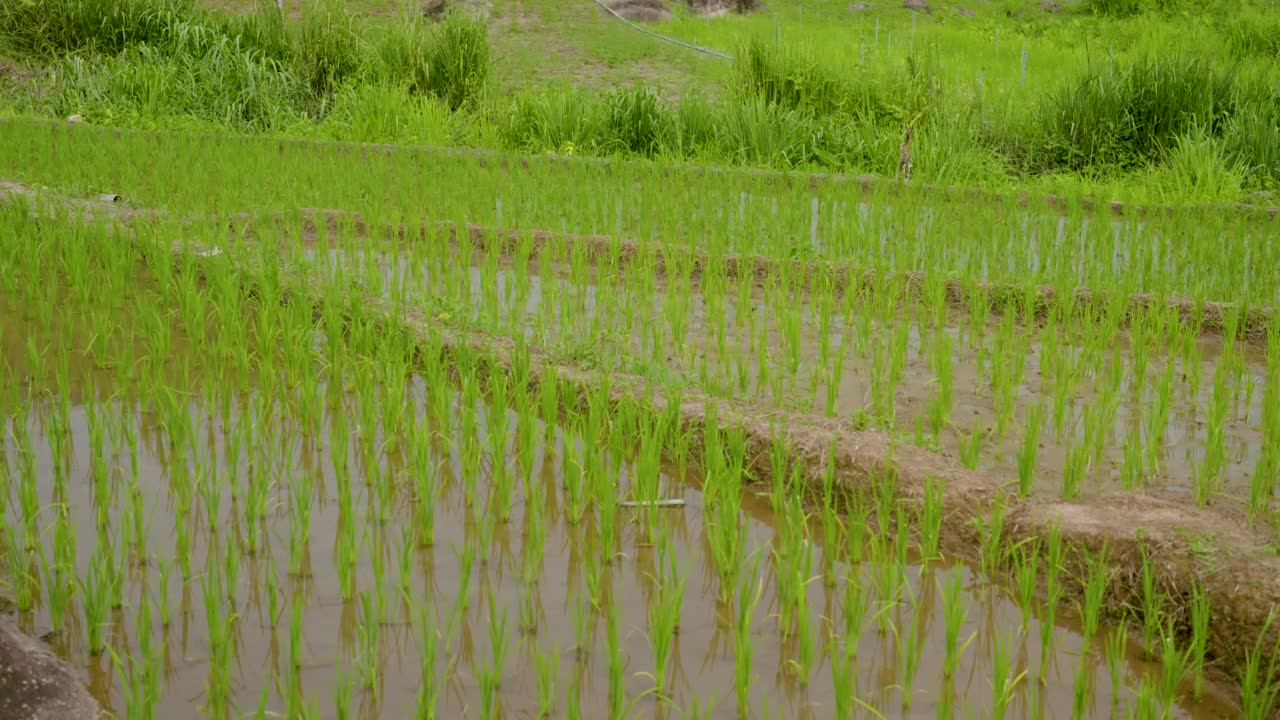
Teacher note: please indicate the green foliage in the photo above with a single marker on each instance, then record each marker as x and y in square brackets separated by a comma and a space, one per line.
[330, 50]
[1129, 8]
[636, 121]
[384, 112]
[754, 131]
[790, 102]
[53, 28]
[789, 77]
[221, 84]
[949, 150]
[1115, 8]
[1252, 140]
[1201, 167]
[1254, 33]
[459, 60]
[404, 53]
[1123, 118]
[748, 131]
[262, 30]
[695, 127]
[556, 120]
[127, 60]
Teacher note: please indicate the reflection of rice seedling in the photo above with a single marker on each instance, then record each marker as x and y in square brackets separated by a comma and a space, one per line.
[909, 649]
[664, 614]
[1004, 682]
[954, 612]
[1117, 646]
[750, 591]
[931, 519]
[1095, 592]
[547, 674]
[1027, 575]
[1199, 635]
[491, 675]
[1152, 609]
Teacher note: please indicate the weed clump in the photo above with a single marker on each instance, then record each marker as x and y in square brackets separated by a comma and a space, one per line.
[636, 120]
[458, 60]
[139, 59]
[1124, 119]
[1254, 33]
[54, 28]
[1253, 141]
[142, 83]
[449, 60]
[788, 77]
[1130, 8]
[330, 51]
[557, 120]
[1201, 167]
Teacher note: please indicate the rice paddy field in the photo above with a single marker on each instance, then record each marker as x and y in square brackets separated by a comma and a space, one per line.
[321, 430]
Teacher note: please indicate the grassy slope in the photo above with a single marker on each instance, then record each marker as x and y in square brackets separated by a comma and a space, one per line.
[999, 57]
[541, 42]
[1007, 53]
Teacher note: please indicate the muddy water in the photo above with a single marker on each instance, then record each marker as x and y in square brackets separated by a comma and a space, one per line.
[242, 439]
[520, 303]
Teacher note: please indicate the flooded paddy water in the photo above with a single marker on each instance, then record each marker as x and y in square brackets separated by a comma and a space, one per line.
[218, 504]
[1160, 408]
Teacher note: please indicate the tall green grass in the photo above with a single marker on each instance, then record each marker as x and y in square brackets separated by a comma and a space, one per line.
[1253, 141]
[741, 131]
[1179, 126]
[787, 110]
[1175, 113]
[152, 60]
[221, 84]
[55, 27]
[787, 76]
[1129, 8]
[1254, 33]
[1201, 167]
[1126, 117]
[458, 60]
[330, 50]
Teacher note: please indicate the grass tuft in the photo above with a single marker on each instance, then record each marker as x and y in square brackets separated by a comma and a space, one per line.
[1123, 119]
[459, 60]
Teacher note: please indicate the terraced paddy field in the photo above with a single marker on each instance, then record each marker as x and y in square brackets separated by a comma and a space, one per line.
[319, 430]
